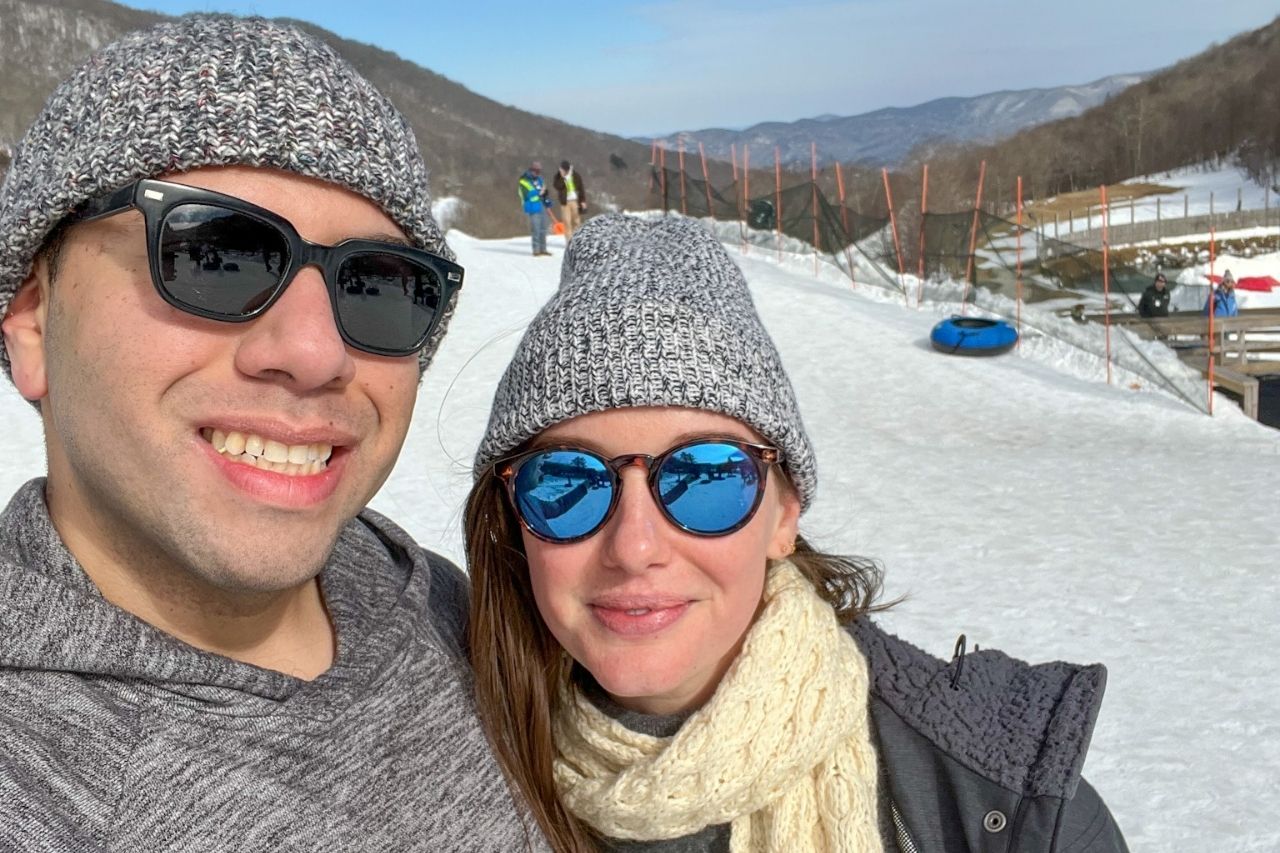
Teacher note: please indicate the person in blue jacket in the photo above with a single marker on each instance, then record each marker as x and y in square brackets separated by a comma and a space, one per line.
[534, 198]
[1223, 299]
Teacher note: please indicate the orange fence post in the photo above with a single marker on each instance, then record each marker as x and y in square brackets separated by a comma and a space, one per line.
[973, 238]
[737, 196]
[653, 162]
[813, 177]
[746, 192]
[662, 173]
[1213, 306]
[1018, 275]
[706, 182]
[777, 198]
[924, 208]
[684, 207]
[893, 224]
[844, 222]
[1106, 277]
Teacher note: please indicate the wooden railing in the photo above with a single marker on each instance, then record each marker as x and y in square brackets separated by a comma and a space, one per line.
[1240, 346]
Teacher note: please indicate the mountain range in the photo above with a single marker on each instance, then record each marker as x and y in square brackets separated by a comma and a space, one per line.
[886, 136]
[476, 147]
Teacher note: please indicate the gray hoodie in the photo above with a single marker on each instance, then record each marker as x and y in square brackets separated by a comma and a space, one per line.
[116, 736]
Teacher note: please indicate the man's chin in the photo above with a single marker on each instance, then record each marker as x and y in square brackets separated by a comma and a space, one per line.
[259, 574]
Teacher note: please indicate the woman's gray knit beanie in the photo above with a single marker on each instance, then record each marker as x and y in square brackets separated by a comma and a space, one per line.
[211, 90]
[649, 313]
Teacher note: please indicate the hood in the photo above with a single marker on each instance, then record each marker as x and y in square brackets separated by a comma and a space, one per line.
[1026, 727]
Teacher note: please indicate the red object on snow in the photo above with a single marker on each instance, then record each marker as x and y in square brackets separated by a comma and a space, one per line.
[1260, 283]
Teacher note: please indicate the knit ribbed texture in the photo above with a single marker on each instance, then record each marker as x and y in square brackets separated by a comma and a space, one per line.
[209, 90]
[782, 751]
[116, 736]
[649, 313]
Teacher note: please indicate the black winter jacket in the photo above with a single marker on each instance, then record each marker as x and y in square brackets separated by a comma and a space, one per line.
[986, 758]
[982, 756]
[1154, 303]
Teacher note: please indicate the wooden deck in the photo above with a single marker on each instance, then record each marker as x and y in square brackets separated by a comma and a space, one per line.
[1243, 347]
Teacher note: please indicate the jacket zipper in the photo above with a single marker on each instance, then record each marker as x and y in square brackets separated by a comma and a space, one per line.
[905, 844]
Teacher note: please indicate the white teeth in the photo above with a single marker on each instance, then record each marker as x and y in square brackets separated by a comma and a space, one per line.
[639, 611]
[235, 443]
[295, 460]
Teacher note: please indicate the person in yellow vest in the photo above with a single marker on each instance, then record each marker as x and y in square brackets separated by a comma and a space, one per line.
[571, 192]
[535, 201]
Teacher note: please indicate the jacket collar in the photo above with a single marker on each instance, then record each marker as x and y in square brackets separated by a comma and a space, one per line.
[1025, 727]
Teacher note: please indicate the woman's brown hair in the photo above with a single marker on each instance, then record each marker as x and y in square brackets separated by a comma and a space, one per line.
[519, 666]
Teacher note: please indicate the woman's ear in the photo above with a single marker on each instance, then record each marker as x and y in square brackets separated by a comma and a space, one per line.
[782, 539]
[24, 332]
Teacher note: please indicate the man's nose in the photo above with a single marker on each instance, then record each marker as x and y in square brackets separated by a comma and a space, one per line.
[296, 341]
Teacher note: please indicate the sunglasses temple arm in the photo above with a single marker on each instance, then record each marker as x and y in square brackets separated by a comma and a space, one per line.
[97, 208]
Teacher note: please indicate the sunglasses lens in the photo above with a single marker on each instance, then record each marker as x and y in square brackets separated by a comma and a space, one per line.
[220, 261]
[387, 302]
[563, 494]
[710, 487]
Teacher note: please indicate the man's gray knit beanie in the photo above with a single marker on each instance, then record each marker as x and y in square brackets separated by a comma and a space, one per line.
[211, 90]
[649, 313]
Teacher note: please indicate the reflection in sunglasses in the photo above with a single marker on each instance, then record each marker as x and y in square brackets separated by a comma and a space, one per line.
[222, 258]
[709, 487]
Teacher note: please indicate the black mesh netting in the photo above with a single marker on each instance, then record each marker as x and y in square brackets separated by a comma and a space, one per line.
[978, 258]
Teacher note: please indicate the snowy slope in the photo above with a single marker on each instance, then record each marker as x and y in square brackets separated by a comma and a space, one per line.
[1020, 500]
[1194, 191]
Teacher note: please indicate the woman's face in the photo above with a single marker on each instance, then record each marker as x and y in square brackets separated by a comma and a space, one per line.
[654, 613]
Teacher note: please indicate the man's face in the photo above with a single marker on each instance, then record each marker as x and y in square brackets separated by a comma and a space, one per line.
[132, 391]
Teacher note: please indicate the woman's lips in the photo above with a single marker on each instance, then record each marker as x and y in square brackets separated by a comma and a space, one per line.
[638, 620]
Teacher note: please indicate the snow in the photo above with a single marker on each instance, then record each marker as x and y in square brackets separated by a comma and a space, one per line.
[1194, 279]
[1020, 500]
[1196, 190]
[447, 210]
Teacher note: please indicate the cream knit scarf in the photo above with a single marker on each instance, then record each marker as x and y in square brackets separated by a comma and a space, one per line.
[782, 751]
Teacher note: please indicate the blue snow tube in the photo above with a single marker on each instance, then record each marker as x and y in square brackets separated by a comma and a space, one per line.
[973, 336]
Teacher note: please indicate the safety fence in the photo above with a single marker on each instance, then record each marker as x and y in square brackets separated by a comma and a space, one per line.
[972, 259]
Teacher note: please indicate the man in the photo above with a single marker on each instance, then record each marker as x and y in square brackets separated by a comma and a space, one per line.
[1155, 299]
[571, 192]
[206, 642]
[535, 201]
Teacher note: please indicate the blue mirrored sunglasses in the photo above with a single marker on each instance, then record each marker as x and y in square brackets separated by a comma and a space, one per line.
[708, 487]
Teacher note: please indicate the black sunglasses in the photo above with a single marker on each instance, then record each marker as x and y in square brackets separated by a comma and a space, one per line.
[222, 258]
[708, 486]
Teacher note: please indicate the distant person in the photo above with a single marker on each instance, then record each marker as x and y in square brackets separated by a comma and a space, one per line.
[571, 192]
[1223, 299]
[534, 198]
[1155, 299]
[207, 642]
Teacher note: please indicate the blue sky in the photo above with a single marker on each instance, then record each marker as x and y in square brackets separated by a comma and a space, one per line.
[635, 67]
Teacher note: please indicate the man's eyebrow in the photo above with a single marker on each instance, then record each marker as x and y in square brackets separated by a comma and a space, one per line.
[385, 237]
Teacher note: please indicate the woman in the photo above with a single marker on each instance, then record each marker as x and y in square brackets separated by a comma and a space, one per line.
[662, 662]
